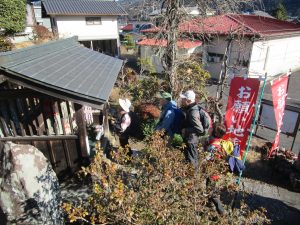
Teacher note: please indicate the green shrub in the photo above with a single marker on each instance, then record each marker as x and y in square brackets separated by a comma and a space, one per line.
[129, 41]
[148, 127]
[177, 140]
[145, 90]
[12, 16]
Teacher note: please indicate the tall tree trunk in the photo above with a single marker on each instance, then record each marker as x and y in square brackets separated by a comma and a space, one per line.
[171, 26]
[222, 78]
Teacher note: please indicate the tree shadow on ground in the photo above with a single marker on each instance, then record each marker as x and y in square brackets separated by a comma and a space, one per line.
[278, 212]
[262, 170]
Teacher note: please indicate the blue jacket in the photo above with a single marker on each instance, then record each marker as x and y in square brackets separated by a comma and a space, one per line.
[166, 119]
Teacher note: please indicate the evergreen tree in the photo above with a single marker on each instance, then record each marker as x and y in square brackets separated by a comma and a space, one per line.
[12, 16]
[280, 12]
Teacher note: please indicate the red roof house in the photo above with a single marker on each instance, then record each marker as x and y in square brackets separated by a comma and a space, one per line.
[128, 27]
[251, 25]
[185, 44]
[261, 44]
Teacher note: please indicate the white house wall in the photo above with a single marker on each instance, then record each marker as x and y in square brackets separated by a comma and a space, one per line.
[275, 56]
[69, 26]
[240, 51]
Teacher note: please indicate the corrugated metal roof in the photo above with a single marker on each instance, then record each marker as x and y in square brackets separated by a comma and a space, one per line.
[65, 66]
[82, 7]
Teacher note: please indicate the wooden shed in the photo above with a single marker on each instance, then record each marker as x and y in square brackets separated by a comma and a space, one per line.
[43, 92]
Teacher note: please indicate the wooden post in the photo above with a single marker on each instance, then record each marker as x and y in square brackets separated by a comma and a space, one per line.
[52, 155]
[82, 132]
[70, 117]
[65, 144]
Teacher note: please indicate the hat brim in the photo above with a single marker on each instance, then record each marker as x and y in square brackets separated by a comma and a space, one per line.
[123, 105]
[182, 96]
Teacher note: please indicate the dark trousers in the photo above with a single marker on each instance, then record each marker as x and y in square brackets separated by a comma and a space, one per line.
[123, 138]
[191, 149]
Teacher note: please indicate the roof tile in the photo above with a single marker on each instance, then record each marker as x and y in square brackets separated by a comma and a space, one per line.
[181, 44]
[128, 27]
[251, 25]
[82, 7]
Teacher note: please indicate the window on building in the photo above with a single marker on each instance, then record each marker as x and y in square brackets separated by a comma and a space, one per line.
[93, 20]
[214, 57]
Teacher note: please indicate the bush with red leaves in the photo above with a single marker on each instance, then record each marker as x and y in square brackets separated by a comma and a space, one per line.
[148, 111]
[42, 33]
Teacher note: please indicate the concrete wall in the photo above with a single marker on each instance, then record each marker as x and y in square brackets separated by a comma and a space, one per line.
[149, 52]
[38, 16]
[275, 56]
[68, 26]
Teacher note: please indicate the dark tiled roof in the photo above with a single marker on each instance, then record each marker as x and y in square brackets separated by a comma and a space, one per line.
[82, 7]
[66, 67]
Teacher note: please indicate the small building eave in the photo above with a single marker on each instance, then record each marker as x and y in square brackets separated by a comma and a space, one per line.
[84, 14]
[63, 69]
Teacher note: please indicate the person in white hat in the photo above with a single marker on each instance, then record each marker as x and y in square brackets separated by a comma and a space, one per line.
[192, 126]
[123, 123]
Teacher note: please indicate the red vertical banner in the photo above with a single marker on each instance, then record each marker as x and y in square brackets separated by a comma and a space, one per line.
[279, 93]
[240, 109]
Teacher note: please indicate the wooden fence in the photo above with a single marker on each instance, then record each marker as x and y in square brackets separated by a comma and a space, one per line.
[55, 127]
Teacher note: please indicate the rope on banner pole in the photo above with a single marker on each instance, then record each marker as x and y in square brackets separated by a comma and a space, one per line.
[257, 109]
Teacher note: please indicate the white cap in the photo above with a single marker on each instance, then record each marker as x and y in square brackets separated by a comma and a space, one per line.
[189, 95]
[125, 104]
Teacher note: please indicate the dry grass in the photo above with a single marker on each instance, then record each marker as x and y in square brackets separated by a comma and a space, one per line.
[114, 95]
[24, 44]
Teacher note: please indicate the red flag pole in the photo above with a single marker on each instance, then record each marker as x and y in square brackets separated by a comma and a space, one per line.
[253, 125]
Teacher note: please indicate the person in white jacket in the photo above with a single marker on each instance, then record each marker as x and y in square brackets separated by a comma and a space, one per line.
[123, 123]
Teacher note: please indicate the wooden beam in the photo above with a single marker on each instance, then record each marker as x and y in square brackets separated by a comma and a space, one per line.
[52, 155]
[2, 79]
[19, 93]
[94, 103]
[40, 138]
[82, 132]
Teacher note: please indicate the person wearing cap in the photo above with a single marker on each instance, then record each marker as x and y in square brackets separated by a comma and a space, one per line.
[123, 123]
[167, 115]
[192, 127]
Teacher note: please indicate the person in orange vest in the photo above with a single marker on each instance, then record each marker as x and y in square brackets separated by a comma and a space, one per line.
[221, 146]
[218, 143]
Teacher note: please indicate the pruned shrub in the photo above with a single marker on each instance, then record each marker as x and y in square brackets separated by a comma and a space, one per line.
[159, 187]
[42, 33]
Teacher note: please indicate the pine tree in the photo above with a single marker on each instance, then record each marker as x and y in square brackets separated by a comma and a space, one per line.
[281, 12]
